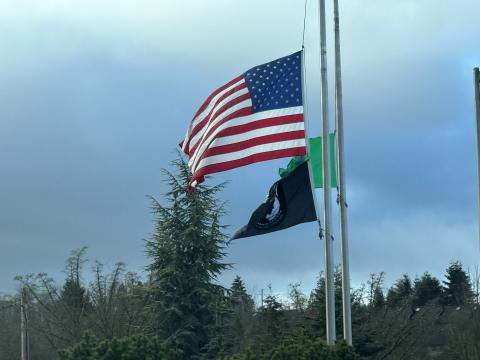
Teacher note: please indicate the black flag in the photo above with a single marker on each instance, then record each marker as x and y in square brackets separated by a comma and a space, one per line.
[289, 202]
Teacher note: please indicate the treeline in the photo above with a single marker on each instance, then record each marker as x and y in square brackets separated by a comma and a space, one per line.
[178, 310]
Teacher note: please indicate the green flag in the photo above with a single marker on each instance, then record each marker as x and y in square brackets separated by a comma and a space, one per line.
[316, 160]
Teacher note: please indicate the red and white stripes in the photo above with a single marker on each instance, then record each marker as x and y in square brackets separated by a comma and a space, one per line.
[225, 134]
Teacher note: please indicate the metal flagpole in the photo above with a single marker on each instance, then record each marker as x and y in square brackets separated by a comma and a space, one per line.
[476, 83]
[329, 282]
[307, 141]
[347, 311]
[23, 327]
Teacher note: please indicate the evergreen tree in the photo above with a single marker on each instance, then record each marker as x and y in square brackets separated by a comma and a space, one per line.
[376, 297]
[337, 278]
[457, 287]
[239, 297]
[316, 308]
[425, 289]
[241, 316]
[271, 322]
[400, 292]
[297, 297]
[186, 250]
[74, 294]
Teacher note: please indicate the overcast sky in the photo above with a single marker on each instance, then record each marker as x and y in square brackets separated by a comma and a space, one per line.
[95, 95]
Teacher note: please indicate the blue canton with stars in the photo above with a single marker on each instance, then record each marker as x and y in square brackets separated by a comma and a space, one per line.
[277, 84]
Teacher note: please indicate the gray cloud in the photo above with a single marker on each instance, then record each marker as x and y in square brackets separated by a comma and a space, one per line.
[93, 103]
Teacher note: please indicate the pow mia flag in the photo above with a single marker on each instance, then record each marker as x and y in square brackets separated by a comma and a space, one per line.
[289, 203]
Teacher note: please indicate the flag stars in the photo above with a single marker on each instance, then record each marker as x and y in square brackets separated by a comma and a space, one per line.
[275, 85]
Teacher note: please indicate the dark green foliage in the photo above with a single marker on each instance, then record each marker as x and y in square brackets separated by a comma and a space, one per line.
[138, 347]
[376, 299]
[186, 250]
[239, 298]
[9, 328]
[271, 323]
[297, 297]
[316, 318]
[457, 287]
[464, 340]
[306, 349]
[400, 292]
[240, 321]
[426, 289]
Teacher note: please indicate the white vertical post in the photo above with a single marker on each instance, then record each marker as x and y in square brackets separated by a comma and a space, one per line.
[23, 327]
[307, 139]
[347, 311]
[329, 281]
[476, 84]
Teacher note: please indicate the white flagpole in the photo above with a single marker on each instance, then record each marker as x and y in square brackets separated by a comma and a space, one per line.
[347, 311]
[329, 281]
[476, 83]
[23, 327]
[307, 141]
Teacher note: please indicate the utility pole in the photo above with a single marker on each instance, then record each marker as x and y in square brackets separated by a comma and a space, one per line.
[342, 194]
[328, 237]
[23, 327]
[476, 85]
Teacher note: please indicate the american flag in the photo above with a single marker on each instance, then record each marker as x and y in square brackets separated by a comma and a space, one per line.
[255, 117]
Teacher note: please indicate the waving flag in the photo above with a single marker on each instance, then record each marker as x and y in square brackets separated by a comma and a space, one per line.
[315, 156]
[255, 117]
[289, 203]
